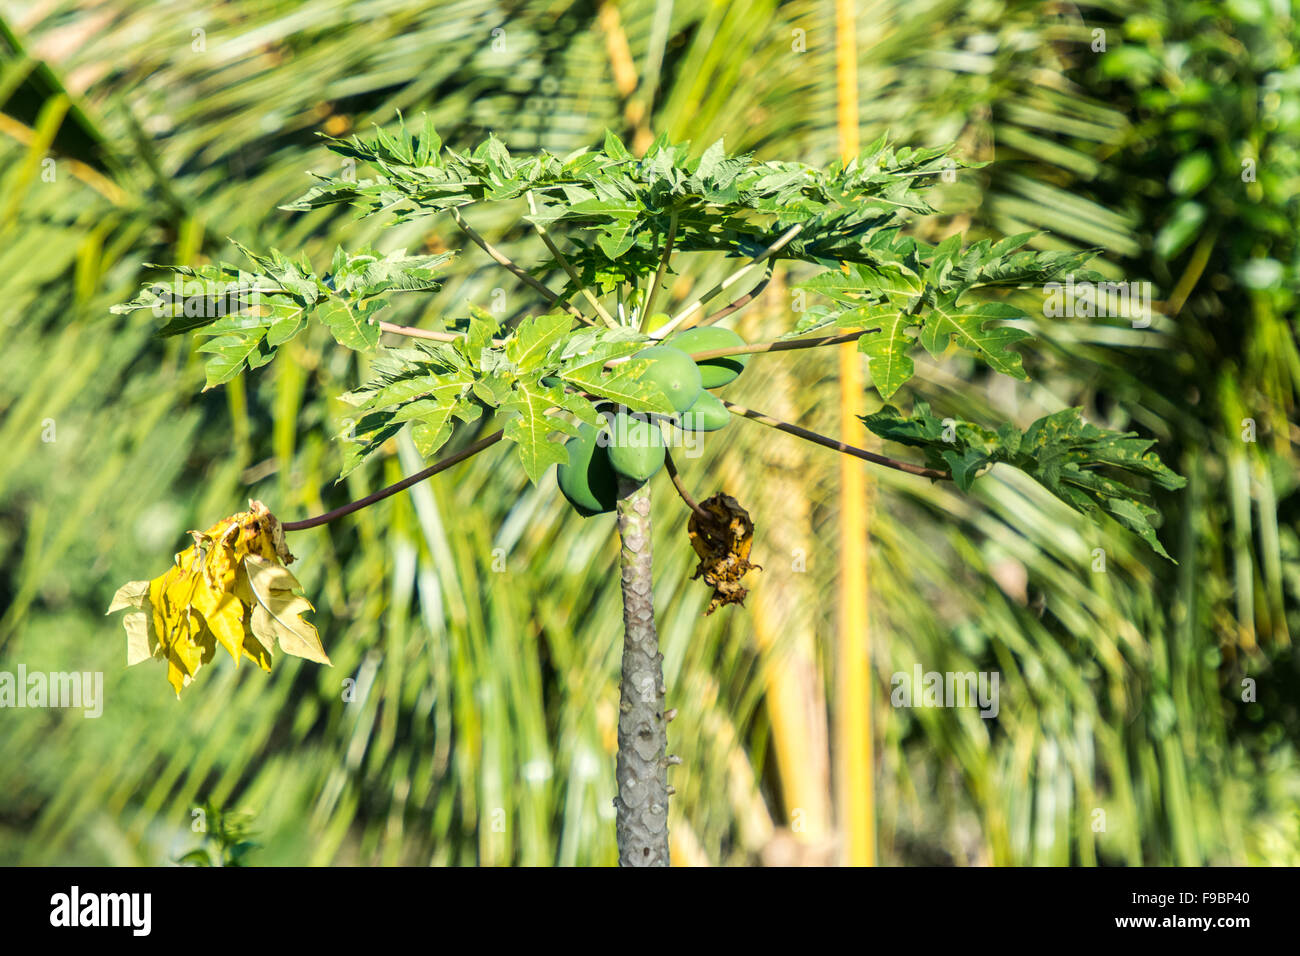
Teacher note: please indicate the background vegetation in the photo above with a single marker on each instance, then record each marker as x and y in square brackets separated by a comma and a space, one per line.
[476, 614]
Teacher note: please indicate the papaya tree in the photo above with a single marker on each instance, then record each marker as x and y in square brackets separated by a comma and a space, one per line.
[599, 380]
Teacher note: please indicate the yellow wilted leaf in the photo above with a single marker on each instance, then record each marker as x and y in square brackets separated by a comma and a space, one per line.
[129, 595]
[229, 587]
[141, 639]
[277, 614]
[138, 645]
[224, 615]
[256, 651]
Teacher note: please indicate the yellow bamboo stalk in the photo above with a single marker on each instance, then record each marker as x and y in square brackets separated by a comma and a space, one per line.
[853, 752]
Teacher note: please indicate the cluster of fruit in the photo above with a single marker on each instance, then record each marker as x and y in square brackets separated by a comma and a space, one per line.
[631, 445]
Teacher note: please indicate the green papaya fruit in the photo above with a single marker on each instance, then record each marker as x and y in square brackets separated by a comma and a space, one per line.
[675, 373]
[636, 446]
[588, 480]
[708, 414]
[714, 372]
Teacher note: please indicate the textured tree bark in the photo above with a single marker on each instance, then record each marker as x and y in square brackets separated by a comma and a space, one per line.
[642, 801]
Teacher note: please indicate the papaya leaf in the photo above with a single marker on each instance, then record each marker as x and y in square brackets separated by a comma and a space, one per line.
[368, 273]
[729, 203]
[232, 353]
[970, 327]
[886, 348]
[864, 283]
[815, 318]
[350, 324]
[230, 587]
[530, 429]
[533, 339]
[1066, 455]
[597, 361]
[369, 435]
[277, 614]
[251, 313]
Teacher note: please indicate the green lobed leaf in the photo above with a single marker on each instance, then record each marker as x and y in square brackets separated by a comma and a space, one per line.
[350, 324]
[531, 428]
[970, 326]
[534, 337]
[1061, 451]
[886, 349]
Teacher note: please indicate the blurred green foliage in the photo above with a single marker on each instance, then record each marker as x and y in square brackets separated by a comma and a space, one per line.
[225, 837]
[469, 717]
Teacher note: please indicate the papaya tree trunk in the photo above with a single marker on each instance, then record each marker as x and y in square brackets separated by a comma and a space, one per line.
[642, 801]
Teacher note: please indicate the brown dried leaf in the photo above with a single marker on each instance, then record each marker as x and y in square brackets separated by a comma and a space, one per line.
[722, 541]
